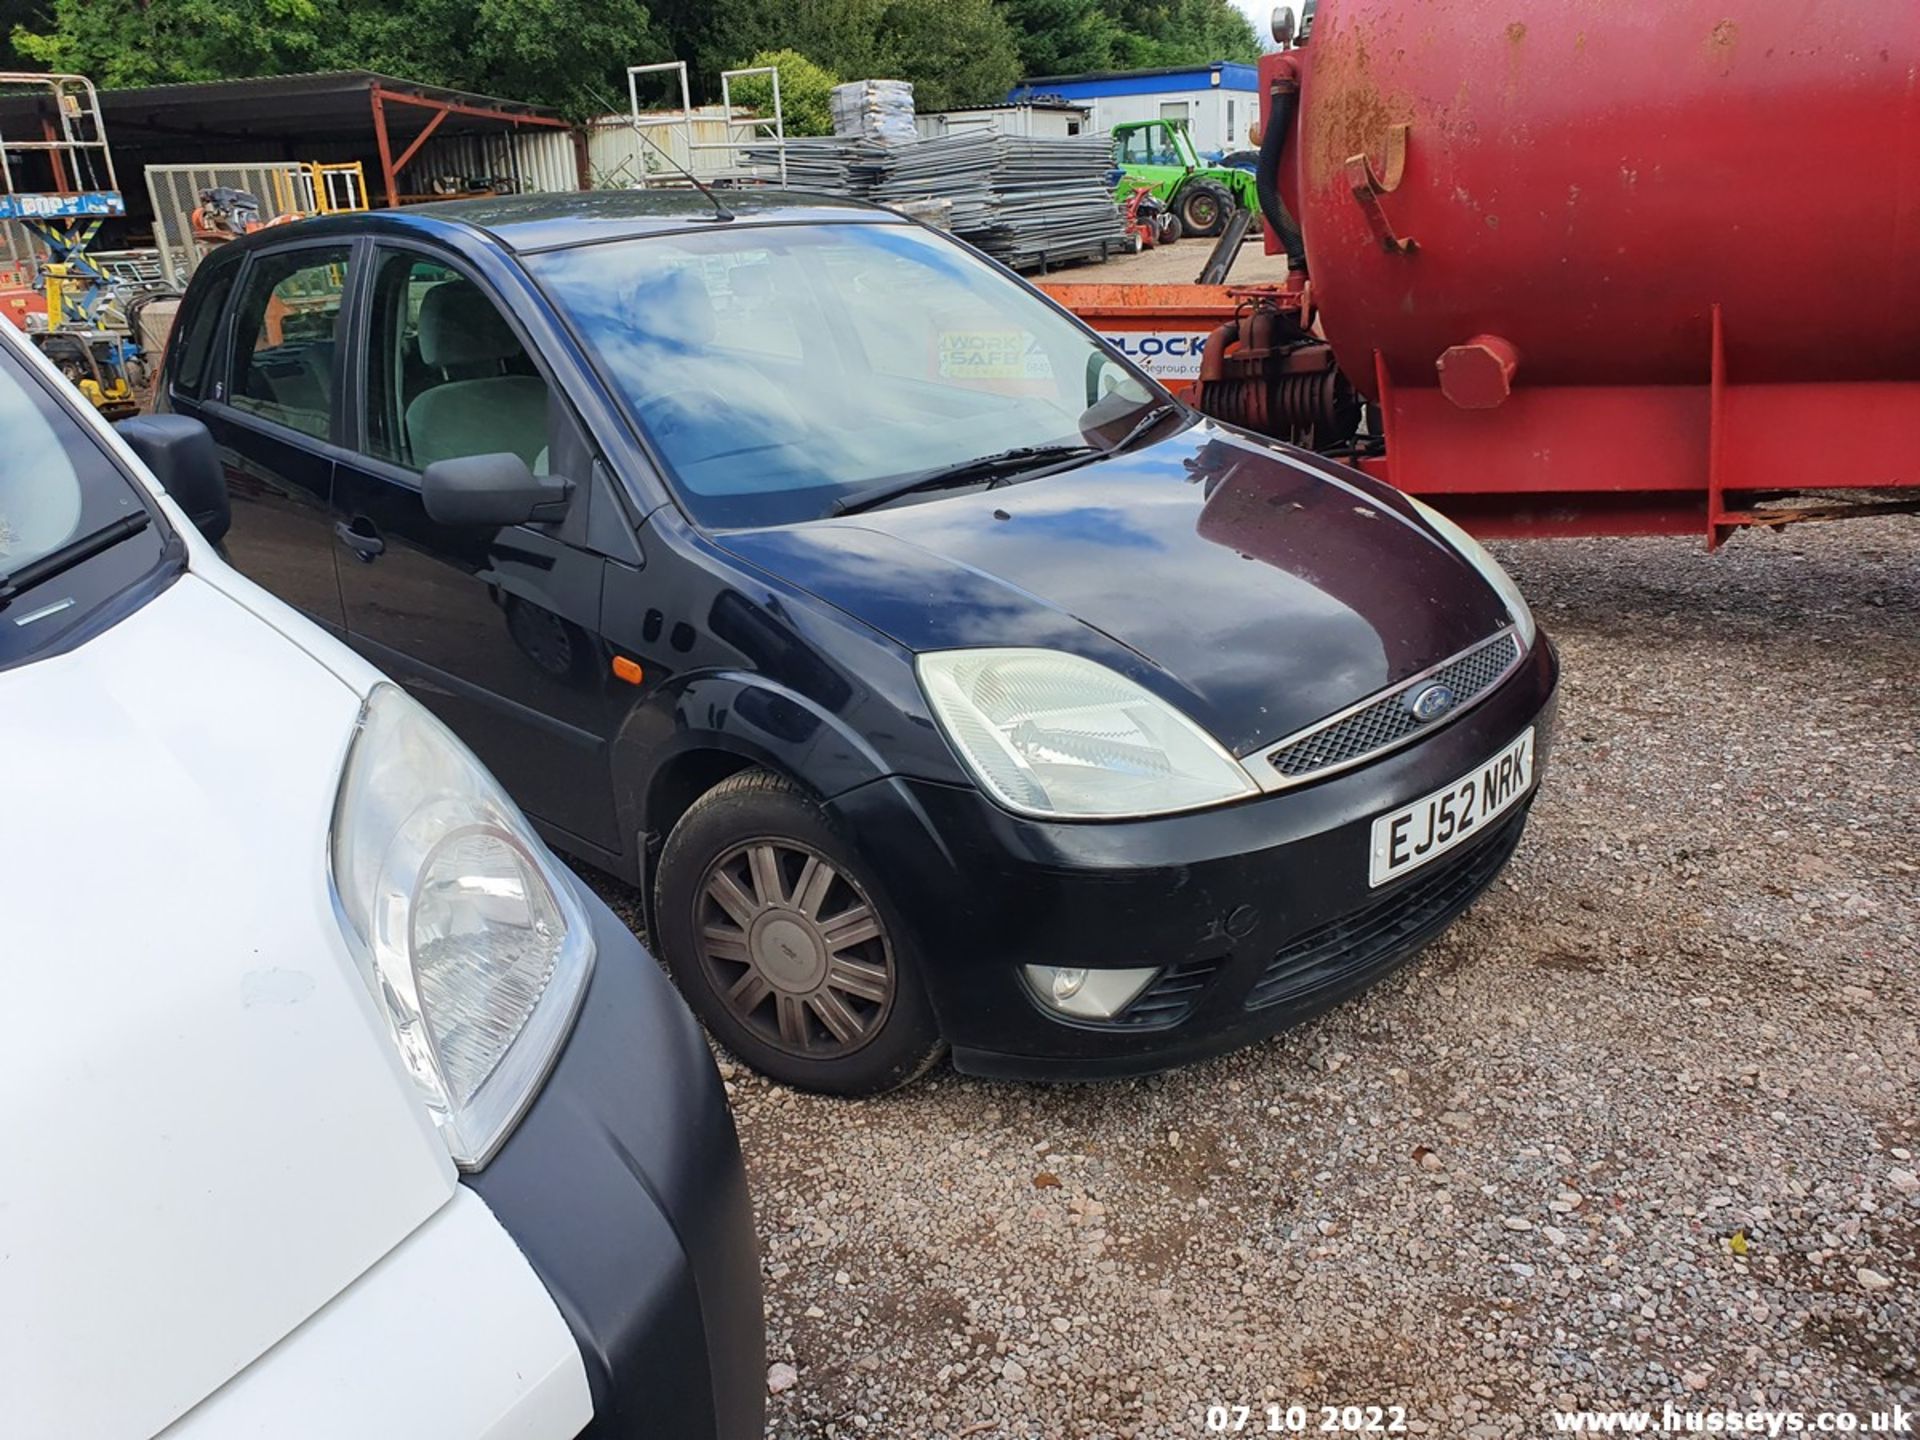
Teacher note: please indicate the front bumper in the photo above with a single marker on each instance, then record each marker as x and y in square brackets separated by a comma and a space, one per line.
[623, 1186]
[1260, 911]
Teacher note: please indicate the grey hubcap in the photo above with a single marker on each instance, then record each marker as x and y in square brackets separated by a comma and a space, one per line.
[794, 948]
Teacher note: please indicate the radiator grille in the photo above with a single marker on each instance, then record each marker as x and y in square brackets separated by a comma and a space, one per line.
[1388, 720]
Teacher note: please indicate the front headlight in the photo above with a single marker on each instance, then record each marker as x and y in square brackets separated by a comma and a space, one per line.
[476, 949]
[1475, 554]
[1051, 734]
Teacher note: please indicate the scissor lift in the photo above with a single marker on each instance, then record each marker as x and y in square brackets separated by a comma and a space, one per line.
[56, 173]
[57, 181]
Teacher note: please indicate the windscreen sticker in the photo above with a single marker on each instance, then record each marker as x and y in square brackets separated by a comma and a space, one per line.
[993, 355]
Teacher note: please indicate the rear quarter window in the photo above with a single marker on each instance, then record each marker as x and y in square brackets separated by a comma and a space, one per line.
[193, 347]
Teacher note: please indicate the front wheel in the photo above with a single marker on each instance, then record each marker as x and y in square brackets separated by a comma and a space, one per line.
[783, 943]
[1204, 206]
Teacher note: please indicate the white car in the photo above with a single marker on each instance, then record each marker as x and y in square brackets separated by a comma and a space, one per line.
[331, 1104]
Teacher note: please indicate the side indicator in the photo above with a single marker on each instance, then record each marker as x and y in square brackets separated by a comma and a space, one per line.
[627, 670]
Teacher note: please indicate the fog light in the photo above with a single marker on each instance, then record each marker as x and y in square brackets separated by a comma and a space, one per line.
[1087, 994]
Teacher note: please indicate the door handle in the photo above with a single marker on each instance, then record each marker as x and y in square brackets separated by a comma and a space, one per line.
[367, 547]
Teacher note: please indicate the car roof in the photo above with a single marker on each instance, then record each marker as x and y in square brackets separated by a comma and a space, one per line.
[525, 224]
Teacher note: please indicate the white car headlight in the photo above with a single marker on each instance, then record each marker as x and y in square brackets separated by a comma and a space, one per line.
[1475, 554]
[477, 950]
[1053, 735]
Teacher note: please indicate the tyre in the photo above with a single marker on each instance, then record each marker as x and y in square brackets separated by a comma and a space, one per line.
[1170, 228]
[1204, 207]
[784, 943]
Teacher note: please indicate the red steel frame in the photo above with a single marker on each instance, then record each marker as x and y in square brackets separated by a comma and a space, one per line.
[391, 165]
[1653, 459]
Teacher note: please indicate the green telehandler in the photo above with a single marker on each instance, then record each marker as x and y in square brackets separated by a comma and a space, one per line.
[1160, 154]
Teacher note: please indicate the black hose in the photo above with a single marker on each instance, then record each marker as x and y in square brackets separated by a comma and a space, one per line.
[1283, 101]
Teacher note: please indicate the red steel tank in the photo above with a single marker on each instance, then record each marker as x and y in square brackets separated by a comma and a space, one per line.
[1634, 265]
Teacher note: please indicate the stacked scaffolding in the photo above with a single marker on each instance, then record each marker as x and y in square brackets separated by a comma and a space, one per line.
[1052, 202]
[1031, 203]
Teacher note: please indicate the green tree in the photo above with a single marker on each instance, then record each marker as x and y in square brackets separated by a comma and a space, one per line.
[806, 91]
[1062, 37]
[567, 53]
[1183, 32]
[127, 42]
[956, 52]
[18, 14]
[570, 54]
[711, 36]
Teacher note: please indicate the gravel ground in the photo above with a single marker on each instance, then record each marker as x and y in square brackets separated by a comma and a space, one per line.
[1641, 1127]
[1176, 264]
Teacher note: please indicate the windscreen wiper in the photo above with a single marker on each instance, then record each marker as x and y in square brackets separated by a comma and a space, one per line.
[1145, 423]
[74, 552]
[1000, 464]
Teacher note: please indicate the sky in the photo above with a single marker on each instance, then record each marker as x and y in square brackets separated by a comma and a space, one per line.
[1261, 13]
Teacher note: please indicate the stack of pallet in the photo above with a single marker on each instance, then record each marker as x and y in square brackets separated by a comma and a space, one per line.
[876, 110]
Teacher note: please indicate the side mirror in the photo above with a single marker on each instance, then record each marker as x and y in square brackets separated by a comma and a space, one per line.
[491, 490]
[180, 453]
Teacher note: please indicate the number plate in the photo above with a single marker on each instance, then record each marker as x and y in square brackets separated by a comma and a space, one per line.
[1409, 837]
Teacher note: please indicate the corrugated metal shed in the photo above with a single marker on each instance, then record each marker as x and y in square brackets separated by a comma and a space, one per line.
[408, 135]
[617, 157]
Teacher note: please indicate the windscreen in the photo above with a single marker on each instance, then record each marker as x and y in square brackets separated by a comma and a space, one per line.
[40, 495]
[59, 492]
[778, 368]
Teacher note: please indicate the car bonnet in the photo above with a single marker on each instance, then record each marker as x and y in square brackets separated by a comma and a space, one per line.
[1256, 591]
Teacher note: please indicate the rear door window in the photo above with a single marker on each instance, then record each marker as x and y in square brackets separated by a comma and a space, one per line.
[286, 337]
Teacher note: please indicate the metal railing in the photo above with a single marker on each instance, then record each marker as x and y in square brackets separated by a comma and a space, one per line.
[752, 123]
[77, 174]
[741, 132]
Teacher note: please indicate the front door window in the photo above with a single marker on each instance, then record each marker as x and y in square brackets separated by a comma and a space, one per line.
[446, 375]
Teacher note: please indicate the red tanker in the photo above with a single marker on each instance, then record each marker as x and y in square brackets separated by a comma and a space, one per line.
[1626, 267]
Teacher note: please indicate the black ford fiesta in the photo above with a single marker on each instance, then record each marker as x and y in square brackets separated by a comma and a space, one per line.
[941, 681]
